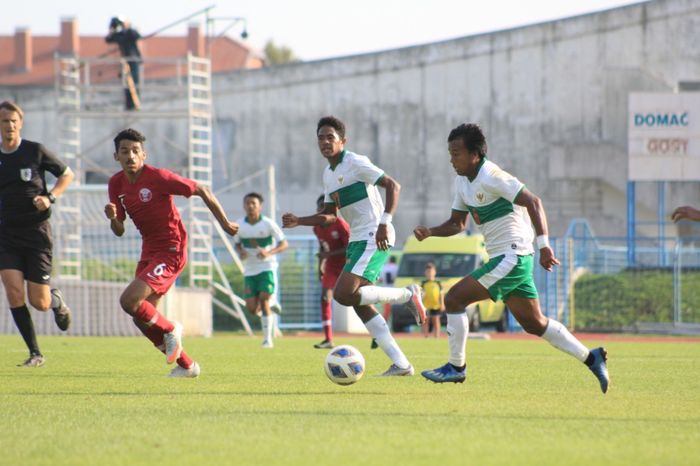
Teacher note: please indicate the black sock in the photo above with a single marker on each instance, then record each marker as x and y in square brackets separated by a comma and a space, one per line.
[459, 368]
[589, 360]
[24, 323]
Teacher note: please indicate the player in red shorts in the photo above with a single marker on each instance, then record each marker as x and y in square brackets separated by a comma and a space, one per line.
[146, 194]
[333, 239]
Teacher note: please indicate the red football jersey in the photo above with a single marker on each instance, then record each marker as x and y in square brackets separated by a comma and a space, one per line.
[332, 237]
[149, 203]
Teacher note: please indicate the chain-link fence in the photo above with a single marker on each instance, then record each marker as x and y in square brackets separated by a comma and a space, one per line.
[599, 286]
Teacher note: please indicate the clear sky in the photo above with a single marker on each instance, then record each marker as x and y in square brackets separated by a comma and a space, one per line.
[313, 29]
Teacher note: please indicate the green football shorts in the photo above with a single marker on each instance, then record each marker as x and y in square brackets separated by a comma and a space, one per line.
[365, 260]
[507, 275]
[264, 282]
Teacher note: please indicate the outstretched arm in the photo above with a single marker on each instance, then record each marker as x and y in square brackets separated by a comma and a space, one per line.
[455, 224]
[215, 208]
[686, 212]
[534, 207]
[327, 216]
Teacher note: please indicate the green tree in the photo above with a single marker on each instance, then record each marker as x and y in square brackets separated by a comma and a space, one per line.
[279, 54]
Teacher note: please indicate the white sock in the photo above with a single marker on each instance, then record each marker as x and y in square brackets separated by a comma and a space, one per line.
[378, 294]
[380, 332]
[457, 332]
[559, 337]
[267, 326]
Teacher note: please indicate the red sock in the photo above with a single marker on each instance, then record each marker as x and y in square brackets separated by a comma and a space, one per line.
[184, 360]
[326, 319]
[148, 314]
[156, 337]
[387, 311]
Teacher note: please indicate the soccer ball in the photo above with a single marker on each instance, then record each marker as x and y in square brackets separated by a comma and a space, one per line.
[344, 365]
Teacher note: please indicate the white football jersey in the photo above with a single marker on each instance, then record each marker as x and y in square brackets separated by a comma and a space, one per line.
[263, 234]
[489, 199]
[351, 186]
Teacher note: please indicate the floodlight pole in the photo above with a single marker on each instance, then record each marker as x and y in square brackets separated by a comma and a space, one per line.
[211, 34]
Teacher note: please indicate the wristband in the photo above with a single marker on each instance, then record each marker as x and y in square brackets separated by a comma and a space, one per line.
[386, 218]
[542, 241]
[52, 198]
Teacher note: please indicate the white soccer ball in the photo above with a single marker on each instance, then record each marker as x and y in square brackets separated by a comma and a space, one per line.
[344, 365]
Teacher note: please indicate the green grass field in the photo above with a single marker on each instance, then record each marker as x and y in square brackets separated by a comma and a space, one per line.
[105, 401]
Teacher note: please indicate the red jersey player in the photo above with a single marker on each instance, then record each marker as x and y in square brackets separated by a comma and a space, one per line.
[146, 194]
[333, 239]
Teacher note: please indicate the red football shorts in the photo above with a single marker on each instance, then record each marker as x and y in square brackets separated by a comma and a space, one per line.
[161, 269]
[330, 276]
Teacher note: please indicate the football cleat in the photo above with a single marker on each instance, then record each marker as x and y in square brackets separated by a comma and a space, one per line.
[599, 367]
[446, 373]
[61, 313]
[35, 360]
[325, 344]
[190, 373]
[415, 304]
[173, 343]
[395, 371]
[267, 344]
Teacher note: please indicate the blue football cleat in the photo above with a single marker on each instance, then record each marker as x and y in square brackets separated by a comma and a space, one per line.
[600, 368]
[446, 373]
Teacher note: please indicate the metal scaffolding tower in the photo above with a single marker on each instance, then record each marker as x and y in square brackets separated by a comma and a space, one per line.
[68, 93]
[83, 91]
[200, 155]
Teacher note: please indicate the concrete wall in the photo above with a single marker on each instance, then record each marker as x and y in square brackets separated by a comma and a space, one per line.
[96, 312]
[552, 99]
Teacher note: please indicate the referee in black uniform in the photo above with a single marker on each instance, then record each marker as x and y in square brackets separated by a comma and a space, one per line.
[25, 233]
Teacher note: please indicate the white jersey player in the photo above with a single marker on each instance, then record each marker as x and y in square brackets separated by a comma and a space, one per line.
[503, 210]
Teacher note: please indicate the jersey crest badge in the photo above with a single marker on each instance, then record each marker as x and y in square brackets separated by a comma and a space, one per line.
[25, 174]
[480, 197]
[145, 195]
[340, 179]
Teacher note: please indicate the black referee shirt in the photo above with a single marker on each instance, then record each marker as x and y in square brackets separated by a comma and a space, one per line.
[22, 177]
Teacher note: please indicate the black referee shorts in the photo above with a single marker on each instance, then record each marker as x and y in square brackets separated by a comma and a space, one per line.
[28, 249]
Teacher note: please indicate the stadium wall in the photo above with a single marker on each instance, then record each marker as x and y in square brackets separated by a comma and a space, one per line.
[551, 97]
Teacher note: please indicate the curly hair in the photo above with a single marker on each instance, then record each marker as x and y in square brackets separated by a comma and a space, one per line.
[472, 137]
[334, 123]
[128, 134]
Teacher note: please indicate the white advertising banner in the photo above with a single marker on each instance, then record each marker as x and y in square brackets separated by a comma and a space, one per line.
[664, 137]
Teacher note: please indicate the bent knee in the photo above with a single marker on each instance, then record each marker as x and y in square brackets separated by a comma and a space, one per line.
[453, 303]
[344, 298]
[40, 304]
[129, 304]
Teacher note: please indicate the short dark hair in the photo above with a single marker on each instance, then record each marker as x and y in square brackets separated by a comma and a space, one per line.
[334, 123]
[13, 107]
[255, 195]
[430, 265]
[128, 134]
[472, 137]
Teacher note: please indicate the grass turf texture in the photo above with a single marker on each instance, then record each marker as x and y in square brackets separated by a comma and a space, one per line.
[106, 401]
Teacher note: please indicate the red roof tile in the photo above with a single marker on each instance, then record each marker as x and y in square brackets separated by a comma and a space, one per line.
[227, 54]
